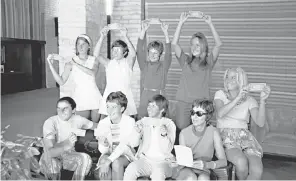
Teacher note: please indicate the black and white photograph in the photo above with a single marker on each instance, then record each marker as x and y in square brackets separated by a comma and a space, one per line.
[148, 90]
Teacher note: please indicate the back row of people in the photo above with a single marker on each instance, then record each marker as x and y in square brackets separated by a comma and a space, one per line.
[82, 69]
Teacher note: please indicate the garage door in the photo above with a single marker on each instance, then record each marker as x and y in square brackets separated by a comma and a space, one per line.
[257, 35]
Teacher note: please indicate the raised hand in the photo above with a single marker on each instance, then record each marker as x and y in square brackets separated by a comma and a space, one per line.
[103, 140]
[265, 93]
[145, 25]
[123, 31]
[104, 31]
[164, 27]
[183, 17]
[139, 127]
[163, 130]
[207, 19]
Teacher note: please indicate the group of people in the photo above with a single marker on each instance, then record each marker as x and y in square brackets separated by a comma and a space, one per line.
[153, 134]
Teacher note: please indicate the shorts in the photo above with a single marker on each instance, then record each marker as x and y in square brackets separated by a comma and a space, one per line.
[241, 139]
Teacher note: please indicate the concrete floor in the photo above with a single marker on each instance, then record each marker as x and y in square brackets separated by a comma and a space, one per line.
[25, 113]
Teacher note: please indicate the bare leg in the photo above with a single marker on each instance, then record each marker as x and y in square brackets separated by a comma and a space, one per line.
[240, 161]
[85, 114]
[118, 167]
[203, 176]
[186, 174]
[255, 167]
[95, 116]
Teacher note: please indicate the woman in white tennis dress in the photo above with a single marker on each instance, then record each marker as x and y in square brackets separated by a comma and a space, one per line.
[79, 74]
[118, 70]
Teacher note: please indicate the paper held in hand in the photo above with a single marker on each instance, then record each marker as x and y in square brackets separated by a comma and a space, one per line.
[79, 132]
[184, 155]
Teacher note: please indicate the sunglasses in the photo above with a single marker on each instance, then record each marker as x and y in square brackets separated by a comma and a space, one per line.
[198, 113]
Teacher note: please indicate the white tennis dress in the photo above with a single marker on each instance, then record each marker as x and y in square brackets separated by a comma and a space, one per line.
[118, 76]
[85, 91]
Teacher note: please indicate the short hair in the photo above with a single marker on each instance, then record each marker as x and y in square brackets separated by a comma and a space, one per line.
[161, 102]
[157, 45]
[69, 100]
[207, 105]
[85, 38]
[123, 45]
[119, 98]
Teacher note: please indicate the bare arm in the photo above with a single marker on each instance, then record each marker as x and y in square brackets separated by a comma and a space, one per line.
[168, 47]
[218, 42]
[56, 149]
[259, 114]
[92, 72]
[223, 109]
[141, 51]
[61, 80]
[220, 153]
[178, 50]
[104, 61]
[132, 52]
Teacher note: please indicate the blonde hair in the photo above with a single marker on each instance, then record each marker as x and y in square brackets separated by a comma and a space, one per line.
[242, 77]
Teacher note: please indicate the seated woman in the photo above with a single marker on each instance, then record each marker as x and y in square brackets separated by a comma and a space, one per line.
[204, 140]
[60, 134]
[234, 107]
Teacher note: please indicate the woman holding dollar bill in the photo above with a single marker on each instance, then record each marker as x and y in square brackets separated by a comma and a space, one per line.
[234, 107]
[196, 67]
[82, 69]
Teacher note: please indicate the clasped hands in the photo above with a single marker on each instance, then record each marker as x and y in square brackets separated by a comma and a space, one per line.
[198, 164]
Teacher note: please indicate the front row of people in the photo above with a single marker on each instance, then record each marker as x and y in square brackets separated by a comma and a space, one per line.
[118, 136]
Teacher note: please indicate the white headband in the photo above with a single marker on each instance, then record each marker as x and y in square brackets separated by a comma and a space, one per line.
[85, 37]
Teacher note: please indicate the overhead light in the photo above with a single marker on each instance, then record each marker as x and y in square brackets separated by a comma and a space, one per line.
[109, 7]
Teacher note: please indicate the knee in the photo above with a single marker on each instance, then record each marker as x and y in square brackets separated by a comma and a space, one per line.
[191, 176]
[117, 164]
[158, 176]
[131, 172]
[256, 171]
[84, 159]
[241, 163]
[203, 177]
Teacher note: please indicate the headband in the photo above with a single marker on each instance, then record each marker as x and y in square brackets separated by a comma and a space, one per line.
[85, 37]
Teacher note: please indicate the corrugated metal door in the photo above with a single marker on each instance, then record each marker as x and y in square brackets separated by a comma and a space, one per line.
[257, 35]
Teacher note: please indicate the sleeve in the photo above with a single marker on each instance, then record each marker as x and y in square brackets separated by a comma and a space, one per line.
[167, 142]
[49, 128]
[183, 58]
[102, 148]
[220, 95]
[133, 140]
[167, 56]
[253, 103]
[141, 54]
[85, 123]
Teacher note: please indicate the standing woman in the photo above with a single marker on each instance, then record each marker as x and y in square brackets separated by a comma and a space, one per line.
[119, 69]
[82, 69]
[196, 69]
[153, 70]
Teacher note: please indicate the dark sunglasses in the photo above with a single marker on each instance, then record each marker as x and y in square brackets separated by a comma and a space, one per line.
[198, 113]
